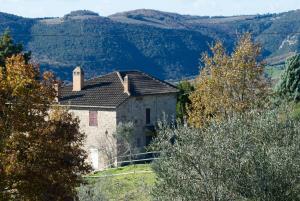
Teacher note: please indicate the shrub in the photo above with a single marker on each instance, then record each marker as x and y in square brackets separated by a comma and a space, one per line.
[254, 156]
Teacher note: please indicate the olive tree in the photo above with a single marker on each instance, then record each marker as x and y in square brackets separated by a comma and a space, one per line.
[253, 156]
[125, 137]
[93, 191]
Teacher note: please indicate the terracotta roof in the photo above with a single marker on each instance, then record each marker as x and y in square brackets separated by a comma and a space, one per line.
[108, 90]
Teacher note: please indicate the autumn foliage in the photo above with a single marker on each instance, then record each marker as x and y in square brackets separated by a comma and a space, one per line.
[41, 156]
[228, 83]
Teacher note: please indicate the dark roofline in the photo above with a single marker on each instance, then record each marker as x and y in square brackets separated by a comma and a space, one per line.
[152, 77]
[117, 77]
[86, 106]
[121, 79]
[99, 76]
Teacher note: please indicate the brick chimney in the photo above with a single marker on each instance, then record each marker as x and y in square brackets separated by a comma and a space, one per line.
[78, 79]
[56, 87]
[126, 84]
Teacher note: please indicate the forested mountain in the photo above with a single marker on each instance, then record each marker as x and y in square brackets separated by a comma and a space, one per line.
[167, 45]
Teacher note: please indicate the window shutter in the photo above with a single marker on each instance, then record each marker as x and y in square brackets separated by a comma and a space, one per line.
[93, 121]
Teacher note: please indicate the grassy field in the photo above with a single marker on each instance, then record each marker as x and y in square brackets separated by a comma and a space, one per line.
[296, 112]
[125, 169]
[274, 72]
[132, 182]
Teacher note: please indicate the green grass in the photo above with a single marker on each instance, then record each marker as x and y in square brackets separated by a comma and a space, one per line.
[133, 182]
[274, 72]
[296, 112]
[125, 169]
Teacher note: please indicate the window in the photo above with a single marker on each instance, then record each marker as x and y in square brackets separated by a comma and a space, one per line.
[93, 121]
[148, 116]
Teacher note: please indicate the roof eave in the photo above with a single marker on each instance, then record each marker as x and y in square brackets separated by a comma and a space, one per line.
[157, 93]
[86, 106]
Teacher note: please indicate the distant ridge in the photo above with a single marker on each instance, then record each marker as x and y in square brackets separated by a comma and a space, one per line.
[166, 45]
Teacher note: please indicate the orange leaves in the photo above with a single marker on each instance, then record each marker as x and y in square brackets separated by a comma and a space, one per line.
[41, 155]
[26, 96]
[19, 76]
[24, 78]
[228, 83]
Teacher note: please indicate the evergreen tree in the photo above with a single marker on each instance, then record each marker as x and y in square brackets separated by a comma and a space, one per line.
[289, 85]
[183, 101]
[8, 48]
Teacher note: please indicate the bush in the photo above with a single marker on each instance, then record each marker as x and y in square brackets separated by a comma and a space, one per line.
[253, 156]
[92, 192]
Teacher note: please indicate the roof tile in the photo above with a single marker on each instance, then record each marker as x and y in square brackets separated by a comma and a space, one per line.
[108, 90]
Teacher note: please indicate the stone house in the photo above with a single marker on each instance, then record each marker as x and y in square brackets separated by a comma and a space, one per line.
[104, 102]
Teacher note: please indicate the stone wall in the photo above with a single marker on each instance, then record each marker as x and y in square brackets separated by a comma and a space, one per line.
[99, 137]
[162, 107]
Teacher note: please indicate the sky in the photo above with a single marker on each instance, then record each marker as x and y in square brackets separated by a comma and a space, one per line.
[58, 8]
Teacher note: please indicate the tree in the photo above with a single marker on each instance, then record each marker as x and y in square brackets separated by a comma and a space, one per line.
[183, 101]
[252, 156]
[24, 102]
[289, 85]
[125, 136]
[228, 83]
[8, 48]
[94, 191]
[41, 156]
[47, 160]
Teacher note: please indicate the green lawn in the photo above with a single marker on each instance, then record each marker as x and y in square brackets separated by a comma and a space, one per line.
[132, 182]
[274, 72]
[125, 169]
[296, 112]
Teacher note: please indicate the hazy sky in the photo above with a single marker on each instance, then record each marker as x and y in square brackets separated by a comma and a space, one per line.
[42, 8]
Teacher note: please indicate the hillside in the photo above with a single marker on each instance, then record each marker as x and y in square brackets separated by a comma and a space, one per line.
[167, 45]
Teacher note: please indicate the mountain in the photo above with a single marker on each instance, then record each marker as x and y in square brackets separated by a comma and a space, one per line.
[167, 45]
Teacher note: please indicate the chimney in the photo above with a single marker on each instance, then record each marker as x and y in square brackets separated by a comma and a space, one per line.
[78, 79]
[126, 85]
[56, 87]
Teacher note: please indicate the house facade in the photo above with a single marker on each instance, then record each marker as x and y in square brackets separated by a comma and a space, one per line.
[102, 103]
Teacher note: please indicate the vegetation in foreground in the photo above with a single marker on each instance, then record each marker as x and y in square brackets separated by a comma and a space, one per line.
[238, 144]
[253, 156]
